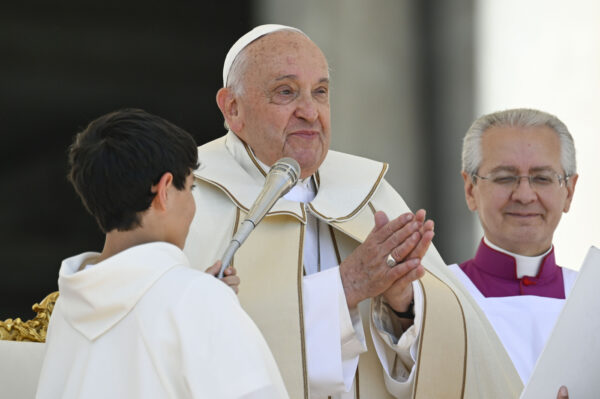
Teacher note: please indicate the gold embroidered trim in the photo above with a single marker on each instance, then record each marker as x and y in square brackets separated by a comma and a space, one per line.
[422, 333]
[300, 306]
[414, 390]
[372, 207]
[236, 225]
[362, 204]
[33, 330]
[357, 379]
[242, 207]
[335, 246]
[253, 159]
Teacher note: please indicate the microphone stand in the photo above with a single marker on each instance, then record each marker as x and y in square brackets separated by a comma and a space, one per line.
[282, 176]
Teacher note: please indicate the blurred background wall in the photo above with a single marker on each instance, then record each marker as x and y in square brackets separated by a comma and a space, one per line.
[408, 78]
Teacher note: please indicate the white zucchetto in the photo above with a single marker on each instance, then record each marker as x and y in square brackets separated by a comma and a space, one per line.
[248, 38]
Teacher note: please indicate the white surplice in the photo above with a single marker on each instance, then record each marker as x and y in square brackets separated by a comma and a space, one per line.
[523, 323]
[138, 325]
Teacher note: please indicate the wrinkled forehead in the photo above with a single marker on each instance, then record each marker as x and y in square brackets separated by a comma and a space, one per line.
[273, 47]
[255, 34]
[285, 48]
[535, 146]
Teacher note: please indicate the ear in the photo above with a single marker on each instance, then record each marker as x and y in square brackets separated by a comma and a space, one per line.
[469, 187]
[570, 192]
[161, 190]
[227, 102]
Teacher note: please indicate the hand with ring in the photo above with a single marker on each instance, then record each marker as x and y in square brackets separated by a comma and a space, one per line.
[365, 272]
[400, 294]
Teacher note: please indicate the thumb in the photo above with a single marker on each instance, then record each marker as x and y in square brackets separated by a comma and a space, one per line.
[381, 220]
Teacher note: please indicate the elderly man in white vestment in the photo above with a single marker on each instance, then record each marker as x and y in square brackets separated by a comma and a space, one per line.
[135, 321]
[327, 273]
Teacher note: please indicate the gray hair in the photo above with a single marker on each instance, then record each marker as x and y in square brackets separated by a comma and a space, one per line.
[519, 117]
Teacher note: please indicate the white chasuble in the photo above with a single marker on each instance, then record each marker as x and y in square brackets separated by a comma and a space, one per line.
[273, 289]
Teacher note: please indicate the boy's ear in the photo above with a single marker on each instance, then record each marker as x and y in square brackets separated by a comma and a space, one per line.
[161, 190]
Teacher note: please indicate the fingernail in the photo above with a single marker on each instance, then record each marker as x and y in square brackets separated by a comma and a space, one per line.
[414, 236]
[408, 218]
[415, 225]
[414, 262]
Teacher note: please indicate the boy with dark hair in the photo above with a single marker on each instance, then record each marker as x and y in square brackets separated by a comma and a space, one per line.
[134, 321]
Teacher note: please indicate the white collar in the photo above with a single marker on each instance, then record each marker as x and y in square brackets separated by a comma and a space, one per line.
[304, 190]
[526, 265]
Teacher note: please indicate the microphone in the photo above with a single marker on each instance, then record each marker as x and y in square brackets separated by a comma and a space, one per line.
[282, 176]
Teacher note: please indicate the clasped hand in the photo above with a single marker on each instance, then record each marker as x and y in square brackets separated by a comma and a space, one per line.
[365, 273]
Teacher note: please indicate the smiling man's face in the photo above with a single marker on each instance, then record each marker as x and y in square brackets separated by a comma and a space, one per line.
[521, 220]
[283, 110]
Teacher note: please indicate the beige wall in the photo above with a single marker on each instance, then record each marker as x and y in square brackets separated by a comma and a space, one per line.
[548, 57]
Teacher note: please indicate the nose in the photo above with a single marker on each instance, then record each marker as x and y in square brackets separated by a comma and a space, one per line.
[306, 108]
[523, 192]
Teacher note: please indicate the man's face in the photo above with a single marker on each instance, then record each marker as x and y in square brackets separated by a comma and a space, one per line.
[521, 220]
[284, 108]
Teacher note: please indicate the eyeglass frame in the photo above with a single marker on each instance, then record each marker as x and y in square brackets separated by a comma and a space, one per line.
[562, 180]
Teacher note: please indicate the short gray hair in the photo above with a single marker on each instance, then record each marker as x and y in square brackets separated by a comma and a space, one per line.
[518, 117]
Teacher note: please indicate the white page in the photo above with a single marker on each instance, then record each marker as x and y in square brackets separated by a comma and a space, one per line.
[571, 356]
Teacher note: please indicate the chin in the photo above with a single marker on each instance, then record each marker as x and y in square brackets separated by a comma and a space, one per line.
[309, 163]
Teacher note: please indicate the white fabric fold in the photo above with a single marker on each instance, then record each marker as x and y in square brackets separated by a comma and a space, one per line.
[335, 338]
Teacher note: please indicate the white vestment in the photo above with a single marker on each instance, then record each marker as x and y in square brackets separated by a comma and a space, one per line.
[303, 314]
[523, 323]
[143, 324]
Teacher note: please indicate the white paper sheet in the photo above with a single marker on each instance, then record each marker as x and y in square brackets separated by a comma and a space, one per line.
[572, 354]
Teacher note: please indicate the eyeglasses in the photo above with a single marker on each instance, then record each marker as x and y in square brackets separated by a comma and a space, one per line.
[539, 182]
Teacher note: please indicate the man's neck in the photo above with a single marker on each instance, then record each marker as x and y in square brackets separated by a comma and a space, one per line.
[526, 265]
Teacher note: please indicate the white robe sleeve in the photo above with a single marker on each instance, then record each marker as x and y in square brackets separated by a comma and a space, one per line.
[397, 349]
[334, 335]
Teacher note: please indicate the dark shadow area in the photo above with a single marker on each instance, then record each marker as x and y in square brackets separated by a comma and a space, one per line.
[66, 64]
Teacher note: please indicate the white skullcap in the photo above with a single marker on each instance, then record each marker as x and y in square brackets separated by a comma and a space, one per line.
[248, 38]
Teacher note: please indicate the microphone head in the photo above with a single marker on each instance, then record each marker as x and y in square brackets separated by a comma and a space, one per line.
[288, 166]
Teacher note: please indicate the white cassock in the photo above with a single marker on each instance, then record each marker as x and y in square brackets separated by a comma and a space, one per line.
[138, 325]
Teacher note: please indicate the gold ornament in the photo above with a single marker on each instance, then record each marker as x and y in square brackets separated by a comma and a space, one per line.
[33, 330]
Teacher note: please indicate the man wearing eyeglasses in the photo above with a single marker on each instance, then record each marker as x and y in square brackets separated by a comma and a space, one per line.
[519, 172]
